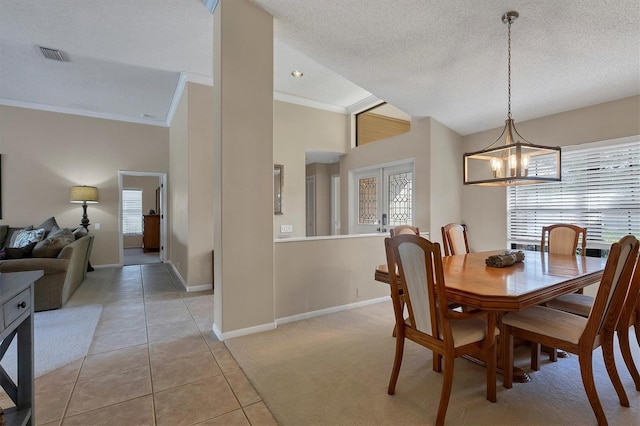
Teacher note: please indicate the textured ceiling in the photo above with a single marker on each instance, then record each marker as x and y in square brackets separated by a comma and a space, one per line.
[440, 58]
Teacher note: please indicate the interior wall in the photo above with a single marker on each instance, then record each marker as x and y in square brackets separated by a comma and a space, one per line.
[178, 182]
[244, 156]
[297, 129]
[317, 274]
[485, 209]
[415, 145]
[200, 181]
[148, 184]
[321, 171]
[445, 179]
[45, 153]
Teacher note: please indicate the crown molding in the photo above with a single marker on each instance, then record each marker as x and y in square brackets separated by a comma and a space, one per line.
[364, 104]
[83, 113]
[292, 99]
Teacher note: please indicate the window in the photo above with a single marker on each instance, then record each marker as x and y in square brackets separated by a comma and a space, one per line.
[132, 211]
[380, 122]
[600, 190]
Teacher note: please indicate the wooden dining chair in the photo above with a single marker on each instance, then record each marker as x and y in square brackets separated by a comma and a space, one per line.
[404, 229]
[563, 238]
[430, 322]
[454, 239]
[576, 334]
[581, 304]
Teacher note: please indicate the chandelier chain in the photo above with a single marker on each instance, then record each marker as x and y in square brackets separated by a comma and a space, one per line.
[509, 67]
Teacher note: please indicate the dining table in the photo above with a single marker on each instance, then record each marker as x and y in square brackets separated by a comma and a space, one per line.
[539, 278]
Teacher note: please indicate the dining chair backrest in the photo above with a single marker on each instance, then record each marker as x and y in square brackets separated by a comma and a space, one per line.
[454, 239]
[404, 229]
[632, 303]
[616, 279]
[421, 278]
[563, 238]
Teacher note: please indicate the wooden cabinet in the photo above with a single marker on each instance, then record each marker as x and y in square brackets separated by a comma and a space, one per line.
[151, 233]
[16, 321]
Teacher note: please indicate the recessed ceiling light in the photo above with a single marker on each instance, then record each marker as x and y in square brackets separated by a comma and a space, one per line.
[297, 74]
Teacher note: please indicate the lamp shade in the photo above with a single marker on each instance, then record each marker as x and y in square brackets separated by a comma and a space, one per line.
[84, 194]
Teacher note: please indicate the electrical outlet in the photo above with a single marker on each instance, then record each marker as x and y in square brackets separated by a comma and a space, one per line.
[96, 226]
[286, 228]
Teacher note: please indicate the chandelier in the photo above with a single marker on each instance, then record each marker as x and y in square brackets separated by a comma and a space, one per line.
[511, 160]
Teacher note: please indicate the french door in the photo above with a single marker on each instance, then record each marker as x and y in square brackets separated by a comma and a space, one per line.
[384, 198]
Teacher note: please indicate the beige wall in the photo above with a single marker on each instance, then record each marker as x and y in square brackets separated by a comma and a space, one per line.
[178, 184]
[201, 179]
[148, 185]
[415, 145]
[297, 129]
[243, 157]
[322, 174]
[317, 274]
[445, 179]
[45, 153]
[191, 182]
[484, 209]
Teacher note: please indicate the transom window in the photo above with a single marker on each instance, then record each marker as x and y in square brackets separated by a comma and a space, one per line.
[600, 190]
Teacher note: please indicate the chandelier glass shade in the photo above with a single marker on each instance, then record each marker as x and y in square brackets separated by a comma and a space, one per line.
[511, 159]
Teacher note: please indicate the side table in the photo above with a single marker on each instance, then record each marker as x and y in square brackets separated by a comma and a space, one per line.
[16, 320]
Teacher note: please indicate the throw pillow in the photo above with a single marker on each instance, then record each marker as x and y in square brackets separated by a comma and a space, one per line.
[19, 252]
[80, 232]
[12, 234]
[25, 237]
[53, 244]
[48, 225]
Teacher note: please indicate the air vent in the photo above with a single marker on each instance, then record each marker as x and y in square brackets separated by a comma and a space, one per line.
[53, 54]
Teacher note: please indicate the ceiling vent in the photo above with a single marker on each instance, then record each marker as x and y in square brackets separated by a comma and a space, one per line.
[53, 54]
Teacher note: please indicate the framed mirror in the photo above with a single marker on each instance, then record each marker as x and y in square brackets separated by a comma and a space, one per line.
[278, 180]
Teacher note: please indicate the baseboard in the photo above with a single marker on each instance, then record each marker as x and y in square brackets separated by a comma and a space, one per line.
[243, 331]
[188, 288]
[271, 326]
[114, 265]
[331, 310]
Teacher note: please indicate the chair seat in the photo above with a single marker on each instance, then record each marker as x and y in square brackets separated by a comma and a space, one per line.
[549, 322]
[468, 330]
[579, 304]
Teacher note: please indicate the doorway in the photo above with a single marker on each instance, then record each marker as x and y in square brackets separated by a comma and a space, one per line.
[141, 217]
[383, 198]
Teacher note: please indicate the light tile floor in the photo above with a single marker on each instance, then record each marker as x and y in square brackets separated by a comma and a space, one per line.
[153, 361]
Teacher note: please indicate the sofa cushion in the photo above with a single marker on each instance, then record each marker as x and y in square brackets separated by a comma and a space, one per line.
[17, 252]
[48, 225]
[25, 237]
[53, 244]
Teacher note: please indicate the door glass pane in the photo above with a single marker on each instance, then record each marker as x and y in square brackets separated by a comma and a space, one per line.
[400, 198]
[368, 200]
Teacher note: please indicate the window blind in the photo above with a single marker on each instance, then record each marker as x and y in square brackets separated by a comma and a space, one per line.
[600, 190]
[132, 211]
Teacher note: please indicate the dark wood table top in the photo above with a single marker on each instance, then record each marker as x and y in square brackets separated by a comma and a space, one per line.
[541, 277]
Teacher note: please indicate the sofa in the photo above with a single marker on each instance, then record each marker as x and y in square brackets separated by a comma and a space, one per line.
[62, 254]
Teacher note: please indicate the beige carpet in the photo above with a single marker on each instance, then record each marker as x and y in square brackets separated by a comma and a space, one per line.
[334, 370]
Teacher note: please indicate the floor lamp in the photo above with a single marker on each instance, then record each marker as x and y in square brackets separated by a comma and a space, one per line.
[85, 195]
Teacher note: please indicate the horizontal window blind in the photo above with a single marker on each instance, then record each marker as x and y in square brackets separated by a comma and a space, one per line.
[600, 190]
[132, 211]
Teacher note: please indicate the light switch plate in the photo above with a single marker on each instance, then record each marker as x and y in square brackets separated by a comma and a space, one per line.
[286, 228]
